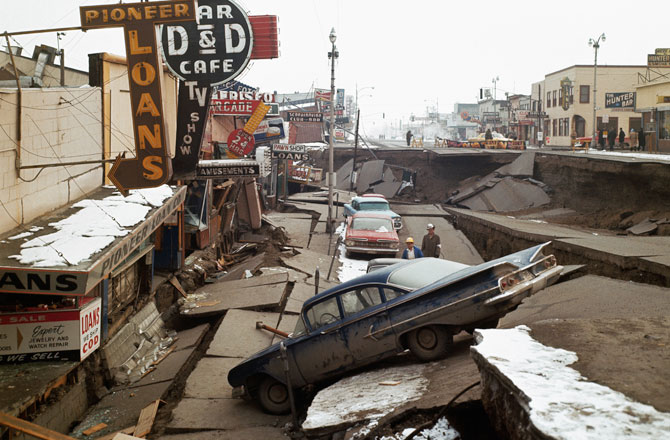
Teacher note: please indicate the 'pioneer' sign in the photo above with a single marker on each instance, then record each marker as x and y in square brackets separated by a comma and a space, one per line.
[214, 50]
[151, 165]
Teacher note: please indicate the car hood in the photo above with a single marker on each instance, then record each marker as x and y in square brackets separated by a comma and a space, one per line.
[359, 233]
[387, 212]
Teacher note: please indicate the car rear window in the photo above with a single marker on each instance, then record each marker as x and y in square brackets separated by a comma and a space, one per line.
[374, 206]
[372, 224]
[423, 272]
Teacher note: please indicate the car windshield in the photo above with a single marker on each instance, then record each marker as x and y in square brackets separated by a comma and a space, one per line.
[374, 206]
[372, 224]
[424, 272]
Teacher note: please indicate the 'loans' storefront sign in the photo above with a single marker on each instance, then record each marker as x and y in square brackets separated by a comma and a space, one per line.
[58, 335]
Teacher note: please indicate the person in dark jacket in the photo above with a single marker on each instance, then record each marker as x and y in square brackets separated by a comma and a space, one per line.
[409, 137]
[601, 140]
[642, 140]
[622, 137]
[430, 246]
[488, 135]
[611, 138]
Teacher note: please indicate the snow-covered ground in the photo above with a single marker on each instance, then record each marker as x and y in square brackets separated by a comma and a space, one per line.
[563, 404]
[626, 154]
[349, 268]
[89, 230]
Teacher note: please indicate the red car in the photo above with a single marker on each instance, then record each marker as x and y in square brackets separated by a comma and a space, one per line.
[369, 233]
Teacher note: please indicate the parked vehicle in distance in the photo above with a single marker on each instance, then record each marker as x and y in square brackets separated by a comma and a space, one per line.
[370, 233]
[417, 305]
[372, 204]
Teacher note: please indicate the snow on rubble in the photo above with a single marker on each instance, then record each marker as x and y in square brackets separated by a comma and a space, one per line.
[92, 228]
[366, 396]
[563, 404]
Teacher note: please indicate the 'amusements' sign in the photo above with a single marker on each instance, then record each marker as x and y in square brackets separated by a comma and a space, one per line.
[151, 166]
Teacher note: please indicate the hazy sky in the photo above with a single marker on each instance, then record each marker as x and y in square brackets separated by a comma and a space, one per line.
[416, 54]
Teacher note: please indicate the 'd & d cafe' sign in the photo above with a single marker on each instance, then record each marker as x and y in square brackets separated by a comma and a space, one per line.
[202, 54]
[151, 166]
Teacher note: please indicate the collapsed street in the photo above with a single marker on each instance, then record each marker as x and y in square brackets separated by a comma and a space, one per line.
[588, 311]
[186, 256]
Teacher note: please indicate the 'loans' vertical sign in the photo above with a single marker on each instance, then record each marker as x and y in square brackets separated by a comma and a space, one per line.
[151, 166]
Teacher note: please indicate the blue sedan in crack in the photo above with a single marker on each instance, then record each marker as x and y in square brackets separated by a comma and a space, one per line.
[415, 304]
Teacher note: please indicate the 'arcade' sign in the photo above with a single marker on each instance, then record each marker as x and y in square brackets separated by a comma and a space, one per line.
[151, 166]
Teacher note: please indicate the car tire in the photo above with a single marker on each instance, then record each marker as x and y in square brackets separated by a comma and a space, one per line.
[430, 343]
[273, 396]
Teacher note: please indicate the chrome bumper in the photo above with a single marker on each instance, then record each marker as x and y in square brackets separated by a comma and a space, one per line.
[527, 288]
[367, 250]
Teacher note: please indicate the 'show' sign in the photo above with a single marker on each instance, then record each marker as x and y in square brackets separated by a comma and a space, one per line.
[151, 165]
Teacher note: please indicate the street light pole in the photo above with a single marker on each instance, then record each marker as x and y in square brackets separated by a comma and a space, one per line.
[332, 55]
[596, 45]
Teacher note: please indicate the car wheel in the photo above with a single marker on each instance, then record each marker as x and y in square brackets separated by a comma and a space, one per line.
[430, 343]
[273, 396]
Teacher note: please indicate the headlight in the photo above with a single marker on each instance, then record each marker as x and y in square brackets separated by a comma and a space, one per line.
[348, 242]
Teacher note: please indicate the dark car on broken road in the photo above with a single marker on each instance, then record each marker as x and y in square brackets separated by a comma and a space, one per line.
[415, 304]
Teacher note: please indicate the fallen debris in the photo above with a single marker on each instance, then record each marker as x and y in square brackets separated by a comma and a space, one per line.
[96, 428]
[146, 419]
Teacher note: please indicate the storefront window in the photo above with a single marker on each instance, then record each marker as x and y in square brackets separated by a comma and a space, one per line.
[664, 125]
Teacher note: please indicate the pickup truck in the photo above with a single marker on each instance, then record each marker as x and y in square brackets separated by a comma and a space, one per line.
[377, 205]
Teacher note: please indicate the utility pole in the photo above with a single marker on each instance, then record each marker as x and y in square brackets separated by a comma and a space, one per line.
[596, 45]
[353, 170]
[332, 55]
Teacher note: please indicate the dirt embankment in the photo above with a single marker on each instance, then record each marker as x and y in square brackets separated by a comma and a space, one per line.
[604, 194]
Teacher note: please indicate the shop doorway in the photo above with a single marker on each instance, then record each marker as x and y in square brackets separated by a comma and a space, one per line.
[611, 125]
[635, 124]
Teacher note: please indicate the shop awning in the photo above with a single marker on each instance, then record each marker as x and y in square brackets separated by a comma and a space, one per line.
[70, 251]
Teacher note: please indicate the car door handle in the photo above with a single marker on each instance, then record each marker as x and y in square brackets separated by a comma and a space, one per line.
[369, 335]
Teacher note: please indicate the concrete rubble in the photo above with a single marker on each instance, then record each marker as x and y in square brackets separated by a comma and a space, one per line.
[259, 292]
[372, 176]
[509, 188]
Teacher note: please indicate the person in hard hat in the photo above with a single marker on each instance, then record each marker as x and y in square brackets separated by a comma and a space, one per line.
[411, 252]
[431, 242]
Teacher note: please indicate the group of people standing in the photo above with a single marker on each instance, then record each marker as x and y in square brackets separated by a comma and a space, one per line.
[636, 142]
[430, 245]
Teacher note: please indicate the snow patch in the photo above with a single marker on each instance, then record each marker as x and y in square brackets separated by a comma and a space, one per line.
[96, 225]
[361, 397]
[563, 404]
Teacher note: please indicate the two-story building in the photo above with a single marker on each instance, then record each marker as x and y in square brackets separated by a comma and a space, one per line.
[567, 99]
